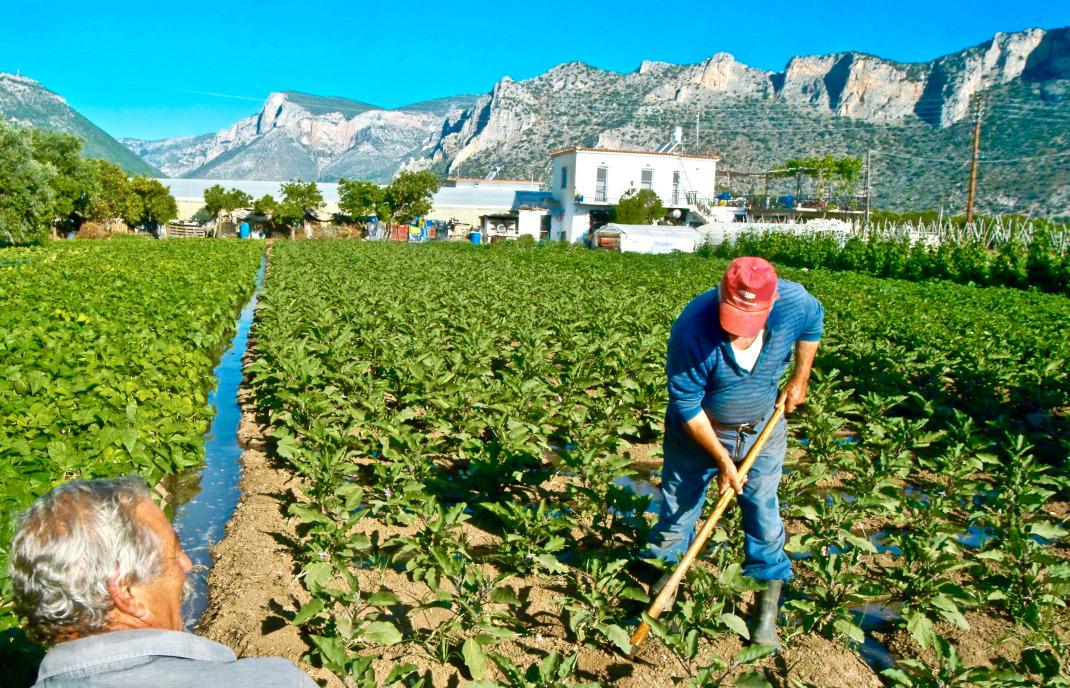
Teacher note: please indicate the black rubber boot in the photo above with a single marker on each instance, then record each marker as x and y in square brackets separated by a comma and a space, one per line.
[763, 620]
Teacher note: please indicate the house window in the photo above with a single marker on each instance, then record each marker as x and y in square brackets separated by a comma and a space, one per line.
[676, 188]
[601, 184]
[564, 177]
[647, 181]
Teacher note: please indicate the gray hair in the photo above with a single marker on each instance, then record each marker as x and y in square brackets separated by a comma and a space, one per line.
[69, 545]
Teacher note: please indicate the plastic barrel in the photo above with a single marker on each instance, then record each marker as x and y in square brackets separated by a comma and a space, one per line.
[476, 238]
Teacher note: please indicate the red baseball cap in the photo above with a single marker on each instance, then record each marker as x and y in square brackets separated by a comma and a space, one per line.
[747, 292]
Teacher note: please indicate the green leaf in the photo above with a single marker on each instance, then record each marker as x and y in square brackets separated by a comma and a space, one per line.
[287, 446]
[898, 676]
[383, 598]
[753, 653]
[399, 672]
[308, 610]
[735, 623]
[617, 635]
[922, 629]
[505, 595]
[751, 679]
[859, 542]
[551, 563]
[318, 573]
[383, 633]
[130, 436]
[633, 593]
[849, 630]
[332, 649]
[475, 658]
[1047, 531]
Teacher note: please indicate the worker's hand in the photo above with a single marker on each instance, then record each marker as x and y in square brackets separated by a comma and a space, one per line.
[793, 394]
[728, 477]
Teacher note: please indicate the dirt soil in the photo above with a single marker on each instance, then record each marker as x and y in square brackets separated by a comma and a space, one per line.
[252, 589]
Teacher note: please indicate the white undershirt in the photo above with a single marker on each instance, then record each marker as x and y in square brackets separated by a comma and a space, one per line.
[746, 358]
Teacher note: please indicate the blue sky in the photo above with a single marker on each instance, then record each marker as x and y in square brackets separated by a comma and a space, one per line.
[152, 70]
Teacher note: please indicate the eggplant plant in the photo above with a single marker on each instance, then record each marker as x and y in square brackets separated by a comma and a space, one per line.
[477, 603]
[551, 672]
[596, 606]
[533, 536]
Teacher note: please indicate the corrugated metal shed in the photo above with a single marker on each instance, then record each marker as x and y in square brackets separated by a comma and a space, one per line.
[447, 202]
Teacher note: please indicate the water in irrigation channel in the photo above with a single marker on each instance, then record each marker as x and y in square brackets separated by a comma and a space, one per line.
[201, 521]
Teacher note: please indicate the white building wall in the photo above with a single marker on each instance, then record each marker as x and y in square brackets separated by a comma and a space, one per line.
[624, 169]
[530, 223]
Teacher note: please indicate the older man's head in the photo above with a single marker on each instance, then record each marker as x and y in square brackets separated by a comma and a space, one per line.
[97, 555]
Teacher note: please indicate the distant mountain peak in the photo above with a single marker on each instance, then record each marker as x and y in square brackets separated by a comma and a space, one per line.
[26, 102]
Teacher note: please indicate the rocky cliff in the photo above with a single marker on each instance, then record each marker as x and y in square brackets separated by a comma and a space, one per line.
[296, 135]
[844, 103]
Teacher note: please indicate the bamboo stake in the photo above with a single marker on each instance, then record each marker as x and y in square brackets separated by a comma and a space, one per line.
[658, 605]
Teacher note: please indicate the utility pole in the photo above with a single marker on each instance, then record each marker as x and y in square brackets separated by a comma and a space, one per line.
[867, 186]
[976, 153]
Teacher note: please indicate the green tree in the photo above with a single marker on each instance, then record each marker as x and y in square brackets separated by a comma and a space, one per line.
[26, 197]
[638, 208]
[828, 172]
[216, 198]
[360, 199]
[155, 205]
[298, 200]
[74, 181]
[114, 196]
[265, 205]
[409, 196]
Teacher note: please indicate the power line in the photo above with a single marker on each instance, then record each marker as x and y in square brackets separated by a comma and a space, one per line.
[979, 159]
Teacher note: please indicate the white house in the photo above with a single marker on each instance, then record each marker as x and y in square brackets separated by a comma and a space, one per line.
[587, 182]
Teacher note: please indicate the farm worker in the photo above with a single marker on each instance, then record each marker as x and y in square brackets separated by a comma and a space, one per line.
[727, 352]
[99, 575]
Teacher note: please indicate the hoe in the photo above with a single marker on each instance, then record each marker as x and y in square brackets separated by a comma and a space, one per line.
[658, 605]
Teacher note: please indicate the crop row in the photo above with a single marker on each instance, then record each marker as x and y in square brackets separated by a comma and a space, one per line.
[1038, 264]
[106, 357]
[462, 420]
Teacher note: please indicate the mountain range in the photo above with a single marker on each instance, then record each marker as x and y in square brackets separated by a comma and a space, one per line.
[915, 121]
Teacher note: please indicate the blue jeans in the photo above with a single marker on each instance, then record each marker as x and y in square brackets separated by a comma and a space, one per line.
[685, 477]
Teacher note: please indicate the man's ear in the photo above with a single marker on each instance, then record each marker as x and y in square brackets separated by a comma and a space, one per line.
[124, 599]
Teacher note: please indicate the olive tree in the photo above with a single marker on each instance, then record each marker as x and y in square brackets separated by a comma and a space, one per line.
[26, 195]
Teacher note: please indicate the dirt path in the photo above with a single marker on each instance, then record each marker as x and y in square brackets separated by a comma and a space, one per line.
[252, 587]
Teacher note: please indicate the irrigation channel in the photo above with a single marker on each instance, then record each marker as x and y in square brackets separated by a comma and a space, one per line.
[201, 521]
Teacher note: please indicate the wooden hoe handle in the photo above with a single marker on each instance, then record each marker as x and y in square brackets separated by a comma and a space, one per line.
[658, 605]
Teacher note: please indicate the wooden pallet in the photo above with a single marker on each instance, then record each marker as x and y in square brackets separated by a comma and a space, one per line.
[186, 232]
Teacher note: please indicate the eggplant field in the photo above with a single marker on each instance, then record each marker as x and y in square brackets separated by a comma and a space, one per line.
[106, 355]
[476, 436]
[471, 444]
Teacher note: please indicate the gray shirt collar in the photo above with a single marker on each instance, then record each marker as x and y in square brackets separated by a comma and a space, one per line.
[102, 648]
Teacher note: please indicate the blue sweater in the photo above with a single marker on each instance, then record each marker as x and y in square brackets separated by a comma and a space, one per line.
[702, 369]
